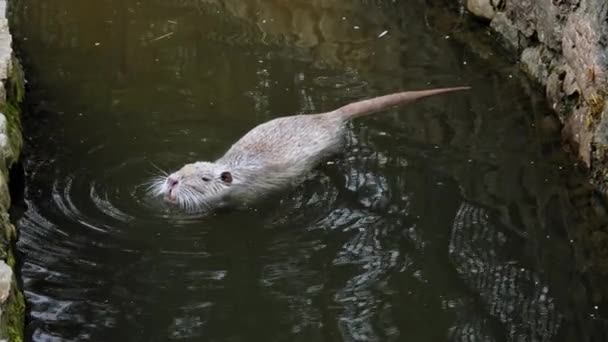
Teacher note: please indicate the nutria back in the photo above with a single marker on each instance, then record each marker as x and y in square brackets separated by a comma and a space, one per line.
[286, 142]
[301, 139]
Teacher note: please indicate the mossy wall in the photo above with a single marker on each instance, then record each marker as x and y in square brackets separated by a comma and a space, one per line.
[12, 92]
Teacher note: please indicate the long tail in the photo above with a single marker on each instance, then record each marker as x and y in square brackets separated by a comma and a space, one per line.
[369, 106]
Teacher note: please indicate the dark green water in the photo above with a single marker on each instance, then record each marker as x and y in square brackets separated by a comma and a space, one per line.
[447, 220]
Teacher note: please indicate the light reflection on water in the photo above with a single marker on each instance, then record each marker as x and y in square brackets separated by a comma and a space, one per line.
[431, 225]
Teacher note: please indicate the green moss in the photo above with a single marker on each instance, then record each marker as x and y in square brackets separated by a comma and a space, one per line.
[10, 259]
[596, 105]
[15, 91]
[11, 232]
[15, 314]
[13, 311]
[13, 120]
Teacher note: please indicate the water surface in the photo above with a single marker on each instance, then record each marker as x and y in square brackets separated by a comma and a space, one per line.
[446, 220]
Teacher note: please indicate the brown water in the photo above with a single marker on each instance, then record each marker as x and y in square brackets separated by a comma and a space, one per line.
[446, 220]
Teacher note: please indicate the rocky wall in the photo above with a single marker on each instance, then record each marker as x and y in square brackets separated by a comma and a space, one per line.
[12, 305]
[563, 44]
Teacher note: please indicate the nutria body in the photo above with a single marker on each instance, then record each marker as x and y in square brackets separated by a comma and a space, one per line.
[272, 155]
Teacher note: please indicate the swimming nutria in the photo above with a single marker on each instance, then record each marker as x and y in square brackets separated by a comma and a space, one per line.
[271, 155]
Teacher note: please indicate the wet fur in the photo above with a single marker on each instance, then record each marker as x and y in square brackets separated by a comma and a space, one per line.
[272, 155]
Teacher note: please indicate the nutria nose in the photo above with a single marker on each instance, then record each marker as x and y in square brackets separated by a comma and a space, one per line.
[172, 181]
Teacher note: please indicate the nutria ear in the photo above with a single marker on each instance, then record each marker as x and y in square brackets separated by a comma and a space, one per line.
[226, 177]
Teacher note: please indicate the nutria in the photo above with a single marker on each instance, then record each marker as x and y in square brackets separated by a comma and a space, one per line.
[271, 155]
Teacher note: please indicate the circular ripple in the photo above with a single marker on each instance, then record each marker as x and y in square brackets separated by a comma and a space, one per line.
[109, 198]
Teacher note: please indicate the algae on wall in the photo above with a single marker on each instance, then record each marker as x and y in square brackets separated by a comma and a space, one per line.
[12, 303]
[12, 92]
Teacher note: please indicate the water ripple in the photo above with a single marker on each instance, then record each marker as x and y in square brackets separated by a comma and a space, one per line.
[373, 246]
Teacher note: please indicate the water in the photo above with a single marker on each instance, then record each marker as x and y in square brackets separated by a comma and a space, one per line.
[446, 220]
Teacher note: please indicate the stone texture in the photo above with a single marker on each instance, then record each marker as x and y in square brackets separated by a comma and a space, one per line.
[12, 306]
[503, 25]
[6, 279]
[531, 59]
[563, 44]
[481, 8]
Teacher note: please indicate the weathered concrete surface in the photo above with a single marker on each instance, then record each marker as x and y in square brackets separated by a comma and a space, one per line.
[483, 8]
[12, 306]
[563, 44]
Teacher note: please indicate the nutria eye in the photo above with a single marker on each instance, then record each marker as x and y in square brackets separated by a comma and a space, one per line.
[226, 177]
[206, 179]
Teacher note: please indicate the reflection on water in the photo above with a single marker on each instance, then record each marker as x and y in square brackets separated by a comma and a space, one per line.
[514, 295]
[447, 220]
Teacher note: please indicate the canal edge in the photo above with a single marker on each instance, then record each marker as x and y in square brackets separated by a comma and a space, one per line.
[12, 93]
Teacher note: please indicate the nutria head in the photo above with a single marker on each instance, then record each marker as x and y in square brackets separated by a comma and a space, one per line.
[195, 186]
